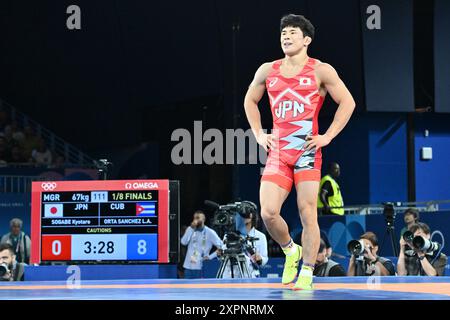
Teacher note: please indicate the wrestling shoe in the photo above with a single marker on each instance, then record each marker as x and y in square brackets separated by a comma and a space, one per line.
[304, 282]
[291, 265]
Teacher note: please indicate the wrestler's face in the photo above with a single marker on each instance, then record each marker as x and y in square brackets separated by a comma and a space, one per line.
[292, 40]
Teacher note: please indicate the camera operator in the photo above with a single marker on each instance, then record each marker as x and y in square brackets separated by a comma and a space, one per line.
[199, 239]
[10, 269]
[413, 261]
[411, 216]
[256, 259]
[368, 263]
[326, 267]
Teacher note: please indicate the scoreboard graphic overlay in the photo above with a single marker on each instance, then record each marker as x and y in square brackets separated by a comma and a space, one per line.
[106, 220]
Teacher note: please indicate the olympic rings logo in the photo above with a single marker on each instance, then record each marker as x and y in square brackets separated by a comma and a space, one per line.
[48, 186]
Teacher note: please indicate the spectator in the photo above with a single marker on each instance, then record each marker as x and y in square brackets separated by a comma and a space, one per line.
[330, 199]
[8, 135]
[4, 117]
[20, 242]
[199, 239]
[411, 216]
[60, 161]
[42, 154]
[369, 263]
[415, 262]
[16, 155]
[30, 142]
[11, 269]
[17, 132]
[4, 151]
[326, 267]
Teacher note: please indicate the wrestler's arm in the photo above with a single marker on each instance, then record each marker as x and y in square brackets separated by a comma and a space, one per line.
[329, 79]
[254, 94]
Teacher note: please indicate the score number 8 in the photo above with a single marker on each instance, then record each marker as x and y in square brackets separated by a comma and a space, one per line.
[142, 247]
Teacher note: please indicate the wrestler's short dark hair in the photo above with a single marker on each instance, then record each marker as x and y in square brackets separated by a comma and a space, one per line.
[298, 21]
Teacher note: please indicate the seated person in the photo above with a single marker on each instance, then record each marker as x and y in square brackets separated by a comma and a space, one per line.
[10, 269]
[326, 267]
[369, 263]
[413, 261]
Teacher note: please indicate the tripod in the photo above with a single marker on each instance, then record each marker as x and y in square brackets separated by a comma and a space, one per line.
[234, 259]
[390, 232]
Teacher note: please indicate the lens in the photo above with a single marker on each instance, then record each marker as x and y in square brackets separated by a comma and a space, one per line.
[2, 270]
[222, 218]
[355, 247]
[408, 236]
[419, 242]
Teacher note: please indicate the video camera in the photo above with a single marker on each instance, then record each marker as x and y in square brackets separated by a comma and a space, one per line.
[229, 218]
[229, 221]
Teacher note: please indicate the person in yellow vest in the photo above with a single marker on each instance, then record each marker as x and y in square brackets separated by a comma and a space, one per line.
[330, 199]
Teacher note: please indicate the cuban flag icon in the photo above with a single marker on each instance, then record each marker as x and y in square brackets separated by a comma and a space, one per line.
[146, 209]
[53, 210]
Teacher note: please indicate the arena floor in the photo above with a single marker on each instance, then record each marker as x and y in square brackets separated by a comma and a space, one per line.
[355, 288]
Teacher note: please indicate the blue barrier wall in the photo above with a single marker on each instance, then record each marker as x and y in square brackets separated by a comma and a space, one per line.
[433, 176]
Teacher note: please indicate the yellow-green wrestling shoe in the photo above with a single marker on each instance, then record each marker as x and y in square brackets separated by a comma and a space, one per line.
[303, 283]
[291, 266]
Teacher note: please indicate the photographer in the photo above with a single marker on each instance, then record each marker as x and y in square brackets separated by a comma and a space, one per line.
[20, 242]
[10, 269]
[255, 259]
[326, 267]
[365, 261]
[413, 261]
[199, 240]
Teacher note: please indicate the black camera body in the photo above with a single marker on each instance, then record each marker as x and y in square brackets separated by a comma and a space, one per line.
[225, 222]
[225, 215]
[389, 213]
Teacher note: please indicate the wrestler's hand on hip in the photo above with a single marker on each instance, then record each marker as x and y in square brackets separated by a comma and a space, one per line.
[267, 141]
[318, 141]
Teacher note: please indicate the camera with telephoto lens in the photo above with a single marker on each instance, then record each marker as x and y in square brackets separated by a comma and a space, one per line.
[356, 247]
[3, 269]
[425, 245]
[420, 243]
